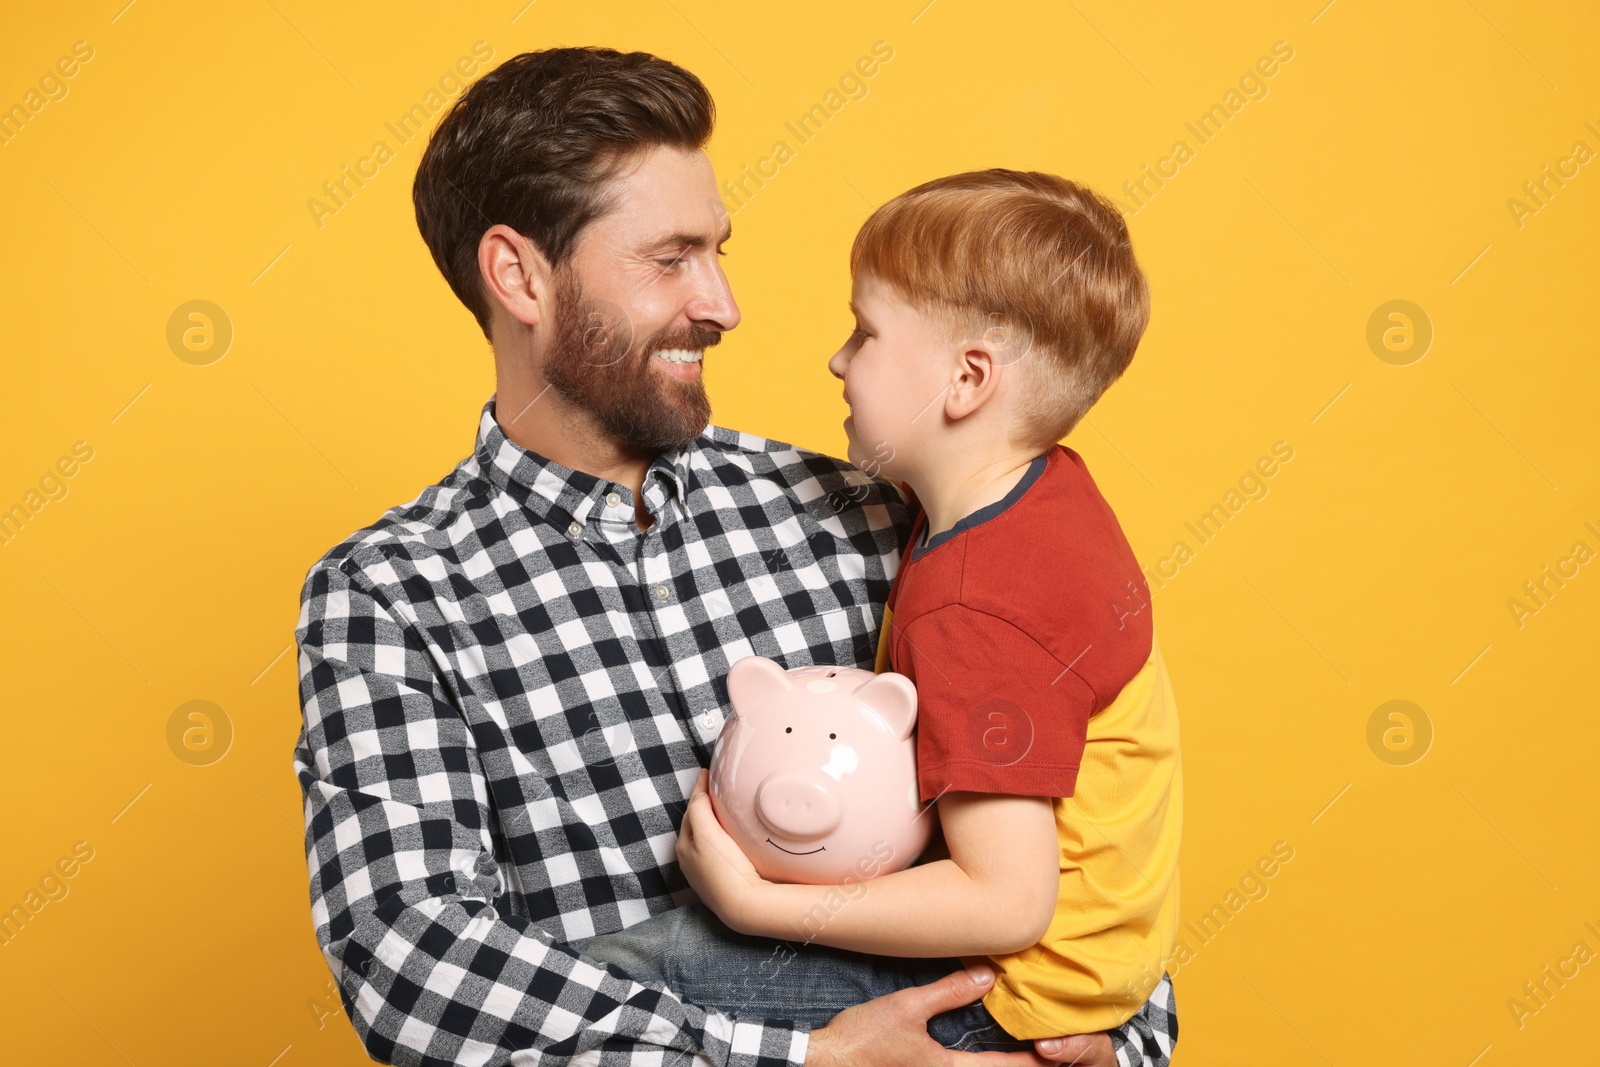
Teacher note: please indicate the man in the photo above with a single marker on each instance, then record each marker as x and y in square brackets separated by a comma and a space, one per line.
[510, 684]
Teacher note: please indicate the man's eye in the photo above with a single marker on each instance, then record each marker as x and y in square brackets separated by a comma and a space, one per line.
[668, 264]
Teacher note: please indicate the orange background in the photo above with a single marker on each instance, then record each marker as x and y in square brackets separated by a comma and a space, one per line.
[1376, 164]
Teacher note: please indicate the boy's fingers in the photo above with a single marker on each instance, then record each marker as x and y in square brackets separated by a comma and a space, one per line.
[689, 809]
[708, 831]
[697, 805]
[694, 818]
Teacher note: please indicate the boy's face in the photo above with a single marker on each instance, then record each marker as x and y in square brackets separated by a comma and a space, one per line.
[894, 369]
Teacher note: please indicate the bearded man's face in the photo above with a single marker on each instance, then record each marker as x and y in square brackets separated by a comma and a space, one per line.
[639, 300]
[599, 364]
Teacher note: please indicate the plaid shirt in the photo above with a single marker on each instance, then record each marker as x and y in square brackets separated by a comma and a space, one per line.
[508, 690]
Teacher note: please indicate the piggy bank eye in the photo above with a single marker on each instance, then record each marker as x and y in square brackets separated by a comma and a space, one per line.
[832, 736]
[788, 729]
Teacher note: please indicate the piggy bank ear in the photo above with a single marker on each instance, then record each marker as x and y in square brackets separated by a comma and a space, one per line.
[894, 697]
[753, 681]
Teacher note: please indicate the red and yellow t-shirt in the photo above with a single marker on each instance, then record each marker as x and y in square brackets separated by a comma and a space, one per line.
[1027, 630]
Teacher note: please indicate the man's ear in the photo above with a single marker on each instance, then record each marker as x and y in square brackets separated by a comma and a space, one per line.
[515, 273]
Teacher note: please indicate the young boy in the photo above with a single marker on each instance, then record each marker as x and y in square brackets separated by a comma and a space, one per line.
[992, 310]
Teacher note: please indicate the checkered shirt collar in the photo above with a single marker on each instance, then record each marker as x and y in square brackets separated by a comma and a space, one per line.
[560, 494]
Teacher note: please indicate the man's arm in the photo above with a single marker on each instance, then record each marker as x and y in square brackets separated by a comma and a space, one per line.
[995, 893]
[404, 884]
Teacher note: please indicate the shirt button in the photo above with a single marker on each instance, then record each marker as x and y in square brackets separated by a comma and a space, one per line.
[613, 499]
[661, 592]
[708, 720]
[574, 530]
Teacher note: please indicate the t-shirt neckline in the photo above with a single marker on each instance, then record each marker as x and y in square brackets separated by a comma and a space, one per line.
[985, 513]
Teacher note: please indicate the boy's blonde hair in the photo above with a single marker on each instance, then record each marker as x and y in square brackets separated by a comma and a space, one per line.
[1046, 259]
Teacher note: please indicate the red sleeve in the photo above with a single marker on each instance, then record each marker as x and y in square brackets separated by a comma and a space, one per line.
[996, 713]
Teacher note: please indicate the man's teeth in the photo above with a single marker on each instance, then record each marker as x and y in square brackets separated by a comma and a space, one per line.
[679, 355]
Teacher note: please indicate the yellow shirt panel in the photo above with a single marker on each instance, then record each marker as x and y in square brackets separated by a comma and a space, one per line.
[1117, 908]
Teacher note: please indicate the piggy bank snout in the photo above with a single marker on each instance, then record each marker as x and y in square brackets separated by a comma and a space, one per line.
[798, 806]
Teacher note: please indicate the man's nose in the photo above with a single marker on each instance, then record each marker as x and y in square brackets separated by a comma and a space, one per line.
[714, 302]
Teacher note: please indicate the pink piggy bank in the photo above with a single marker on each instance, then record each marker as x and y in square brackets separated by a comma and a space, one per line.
[815, 774]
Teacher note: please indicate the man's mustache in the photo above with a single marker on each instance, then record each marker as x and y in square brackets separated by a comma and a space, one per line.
[697, 337]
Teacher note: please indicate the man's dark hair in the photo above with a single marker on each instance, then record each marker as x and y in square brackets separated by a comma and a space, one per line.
[533, 143]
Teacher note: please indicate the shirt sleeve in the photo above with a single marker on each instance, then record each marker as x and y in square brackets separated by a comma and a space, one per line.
[406, 897]
[996, 712]
[1149, 1037]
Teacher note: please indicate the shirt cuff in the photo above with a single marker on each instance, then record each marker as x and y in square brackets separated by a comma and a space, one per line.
[743, 1043]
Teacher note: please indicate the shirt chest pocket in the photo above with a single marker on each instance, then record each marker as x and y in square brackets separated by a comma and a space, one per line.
[840, 637]
[778, 600]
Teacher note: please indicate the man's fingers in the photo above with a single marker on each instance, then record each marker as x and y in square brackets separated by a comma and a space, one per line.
[951, 991]
[1083, 1050]
[996, 1059]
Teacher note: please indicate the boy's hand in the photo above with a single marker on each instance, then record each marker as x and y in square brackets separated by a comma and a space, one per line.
[717, 867]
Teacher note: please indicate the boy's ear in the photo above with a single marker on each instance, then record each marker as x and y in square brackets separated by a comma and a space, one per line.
[993, 343]
[974, 380]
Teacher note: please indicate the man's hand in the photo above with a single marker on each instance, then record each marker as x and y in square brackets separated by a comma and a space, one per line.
[888, 1031]
[1085, 1050]
[718, 869]
[892, 1031]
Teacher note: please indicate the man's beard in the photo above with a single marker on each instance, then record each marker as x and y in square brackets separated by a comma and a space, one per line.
[594, 363]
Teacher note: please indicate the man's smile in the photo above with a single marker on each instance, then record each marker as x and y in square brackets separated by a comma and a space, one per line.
[681, 362]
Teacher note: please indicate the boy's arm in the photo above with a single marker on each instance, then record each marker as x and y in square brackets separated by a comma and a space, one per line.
[996, 893]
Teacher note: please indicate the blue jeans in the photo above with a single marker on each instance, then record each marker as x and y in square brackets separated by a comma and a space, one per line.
[697, 956]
